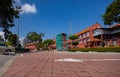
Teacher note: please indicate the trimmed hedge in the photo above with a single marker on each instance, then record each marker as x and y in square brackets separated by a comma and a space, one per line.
[103, 49]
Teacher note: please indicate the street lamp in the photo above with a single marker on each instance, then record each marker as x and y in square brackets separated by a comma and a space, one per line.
[17, 31]
[18, 9]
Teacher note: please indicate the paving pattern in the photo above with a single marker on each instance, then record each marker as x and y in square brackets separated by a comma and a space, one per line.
[54, 64]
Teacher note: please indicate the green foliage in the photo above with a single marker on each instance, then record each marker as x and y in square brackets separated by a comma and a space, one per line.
[107, 49]
[7, 15]
[75, 43]
[13, 39]
[8, 43]
[112, 13]
[73, 37]
[33, 36]
[48, 42]
[40, 45]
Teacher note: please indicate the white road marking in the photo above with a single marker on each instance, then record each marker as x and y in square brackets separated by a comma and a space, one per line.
[102, 59]
[69, 60]
[84, 60]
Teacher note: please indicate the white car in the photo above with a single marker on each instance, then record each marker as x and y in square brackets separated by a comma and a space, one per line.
[7, 50]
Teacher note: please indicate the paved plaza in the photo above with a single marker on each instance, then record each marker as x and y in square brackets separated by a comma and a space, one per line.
[64, 64]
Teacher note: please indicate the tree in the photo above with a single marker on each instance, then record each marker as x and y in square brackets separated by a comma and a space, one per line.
[41, 35]
[7, 15]
[75, 43]
[48, 42]
[73, 37]
[112, 13]
[34, 37]
[40, 45]
[13, 39]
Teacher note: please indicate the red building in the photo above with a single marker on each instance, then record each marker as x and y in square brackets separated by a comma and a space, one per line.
[31, 46]
[96, 36]
[109, 36]
[54, 44]
[86, 38]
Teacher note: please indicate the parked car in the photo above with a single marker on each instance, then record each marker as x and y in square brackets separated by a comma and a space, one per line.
[7, 50]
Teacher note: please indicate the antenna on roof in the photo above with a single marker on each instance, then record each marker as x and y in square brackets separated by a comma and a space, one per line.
[70, 28]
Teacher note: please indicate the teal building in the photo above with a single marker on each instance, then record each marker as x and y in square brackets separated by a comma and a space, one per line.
[61, 41]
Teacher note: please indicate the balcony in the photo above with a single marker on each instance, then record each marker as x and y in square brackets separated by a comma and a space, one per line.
[102, 31]
[97, 32]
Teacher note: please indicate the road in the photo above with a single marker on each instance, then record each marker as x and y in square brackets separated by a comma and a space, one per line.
[64, 64]
[5, 62]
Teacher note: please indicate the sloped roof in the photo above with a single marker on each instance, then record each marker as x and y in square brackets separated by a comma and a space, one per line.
[88, 29]
[114, 26]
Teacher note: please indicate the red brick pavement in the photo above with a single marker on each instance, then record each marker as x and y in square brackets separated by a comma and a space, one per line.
[43, 64]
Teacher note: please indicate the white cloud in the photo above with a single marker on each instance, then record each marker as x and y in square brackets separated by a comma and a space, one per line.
[27, 8]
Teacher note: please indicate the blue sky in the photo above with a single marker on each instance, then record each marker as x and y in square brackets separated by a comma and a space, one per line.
[52, 17]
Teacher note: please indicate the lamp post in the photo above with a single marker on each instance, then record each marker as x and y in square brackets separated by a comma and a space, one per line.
[18, 9]
[17, 32]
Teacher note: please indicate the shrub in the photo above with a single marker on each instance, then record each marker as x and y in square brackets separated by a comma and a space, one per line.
[103, 49]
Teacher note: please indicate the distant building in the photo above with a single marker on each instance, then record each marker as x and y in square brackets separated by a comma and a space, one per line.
[24, 41]
[31, 46]
[61, 41]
